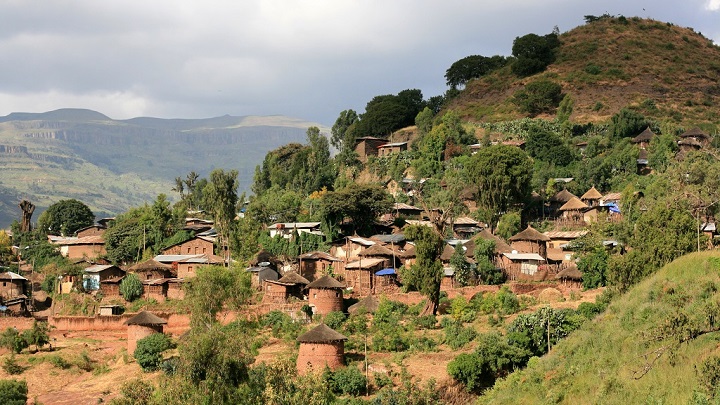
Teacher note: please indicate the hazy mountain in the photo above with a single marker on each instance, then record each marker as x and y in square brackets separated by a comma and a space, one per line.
[112, 165]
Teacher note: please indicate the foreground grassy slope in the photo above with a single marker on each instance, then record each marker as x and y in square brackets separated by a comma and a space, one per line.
[603, 362]
[668, 72]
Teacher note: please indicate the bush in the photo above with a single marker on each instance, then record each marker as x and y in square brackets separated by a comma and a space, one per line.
[134, 392]
[589, 310]
[149, 350]
[11, 365]
[425, 322]
[542, 96]
[282, 325]
[59, 362]
[12, 340]
[457, 335]
[131, 287]
[38, 335]
[13, 392]
[334, 319]
[347, 381]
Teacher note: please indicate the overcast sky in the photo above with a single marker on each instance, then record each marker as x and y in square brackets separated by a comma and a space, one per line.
[305, 59]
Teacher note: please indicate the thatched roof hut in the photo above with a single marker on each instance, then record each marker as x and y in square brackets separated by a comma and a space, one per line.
[529, 234]
[325, 282]
[570, 273]
[562, 196]
[573, 205]
[141, 326]
[149, 265]
[292, 277]
[591, 195]
[321, 334]
[146, 318]
[321, 347]
[696, 133]
[369, 303]
[644, 137]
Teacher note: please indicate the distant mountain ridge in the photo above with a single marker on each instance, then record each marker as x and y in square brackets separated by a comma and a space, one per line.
[112, 165]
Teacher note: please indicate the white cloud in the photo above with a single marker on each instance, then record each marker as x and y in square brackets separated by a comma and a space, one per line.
[712, 5]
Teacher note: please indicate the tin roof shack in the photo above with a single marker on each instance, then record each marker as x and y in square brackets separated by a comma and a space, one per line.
[325, 295]
[186, 265]
[196, 246]
[142, 325]
[313, 265]
[448, 280]
[386, 282]
[92, 230]
[319, 348]
[111, 287]
[390, 148]
[77, 248]
[559, 247]
[12, 285]
[465, 227]
[350, 248]
[260, 273]
[287, 229]
[530, 241]
[280, 291]
[359, 275]
[378, 251]
[526, 267]
[94, 275]
[570, 276]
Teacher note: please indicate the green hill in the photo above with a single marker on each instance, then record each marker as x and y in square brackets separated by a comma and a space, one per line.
[648, 347]
[667, 72]
[112, 165]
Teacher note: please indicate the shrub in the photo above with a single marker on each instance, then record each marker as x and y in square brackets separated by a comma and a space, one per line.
[149, 351]
[589, 310]
[131, 287]
[13, 392]
[347, 381]
[59, 362]
[425, 322]
[84, 362]
[11, 366]
[334, 319]
[282, 325]
[457, 335]
[12, 340]
[541, 96]
[38, 335]
[134, 392]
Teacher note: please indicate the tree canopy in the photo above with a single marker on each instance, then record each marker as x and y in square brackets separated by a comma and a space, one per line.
[66, 217]
[472, 67]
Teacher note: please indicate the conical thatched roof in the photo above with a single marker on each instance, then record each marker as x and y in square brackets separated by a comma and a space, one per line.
[447, 253]
[321, 334]
[500, 245]
[529, 234]
[292, 277]
[408, 253]
[562, 196]
[573, 205]
[149, 265]
[376, 250]
[591, 194]
[571, 273]
[694, 133]
[145, 318]
[645, 136]
[370, 303]
[326, 282]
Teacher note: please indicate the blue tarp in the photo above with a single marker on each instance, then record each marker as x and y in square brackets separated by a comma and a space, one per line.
[613, 207]
[385, 272]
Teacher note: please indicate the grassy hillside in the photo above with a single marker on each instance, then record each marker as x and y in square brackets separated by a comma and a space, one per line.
[646, 348]
[667, 72]
[112, 165]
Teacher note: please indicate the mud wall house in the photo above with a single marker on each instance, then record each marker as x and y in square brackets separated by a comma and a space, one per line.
[85, 247]
[94, 275]
[406, 211]
[290, 285]
[367, 146]
[572, 211]
[359, 275]
[386, 254]
[156, 289]
[186, 266]
[288, 229]
[349, 249]
[151, 270]
[465, 227]
[530, 241]
[386, 282]
[526, 267]
[175, 289]
[644, 138]
[313, 265]
[697, 136]
[111, 287]
[592, 197]
[92, 230]
[325, 295]
[559, 199]
[448, 280]
[501, 247]
[390, 148]
[559, 247]
[320, 348]
[570, 277]
[12, 285]
[195, 246]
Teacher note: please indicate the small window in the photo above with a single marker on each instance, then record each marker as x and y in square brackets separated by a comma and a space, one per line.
[188, 249]
[314, 295]
[204, 249]
[189, 268]
[148, 276]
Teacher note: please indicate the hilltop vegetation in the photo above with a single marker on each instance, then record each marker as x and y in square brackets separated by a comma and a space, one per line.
[657, 343]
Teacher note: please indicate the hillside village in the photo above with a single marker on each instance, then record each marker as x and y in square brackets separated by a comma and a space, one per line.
[382, 271]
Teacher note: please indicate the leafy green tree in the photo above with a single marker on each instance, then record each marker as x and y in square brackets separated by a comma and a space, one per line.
[347, 381]
[662, 151]
[464, 272]
[212, 289]
[12, 340]
[565, 109]
[533, 53]
[426, 273]
[13, 392]
[541, 96]
[472, 67]
[424, 121]
[38, 335]
[486, 269]
[627, 123]
[149, 350]
[343, 138]
[220, 201]
[593, 266]
[361, 203]
[131, 288]
[530, 331]
[387, 113]
[547, 146]
[502, 176]
[66, 217]
[444, 141]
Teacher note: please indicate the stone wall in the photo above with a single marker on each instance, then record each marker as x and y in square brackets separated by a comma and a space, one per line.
[326, 300]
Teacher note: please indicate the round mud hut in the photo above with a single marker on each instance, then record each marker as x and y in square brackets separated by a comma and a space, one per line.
[325, 295]
[142, 325]
[320, 347]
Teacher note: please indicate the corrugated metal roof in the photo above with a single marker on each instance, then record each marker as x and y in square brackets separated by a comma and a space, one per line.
[565, 234]
[524, 256]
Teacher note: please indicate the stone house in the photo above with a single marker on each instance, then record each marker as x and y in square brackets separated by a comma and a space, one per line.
[12, 285]
[325, 295]
[196, 246]
[313, 265]
[390, 148]
[367, 146]
[321, 347]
